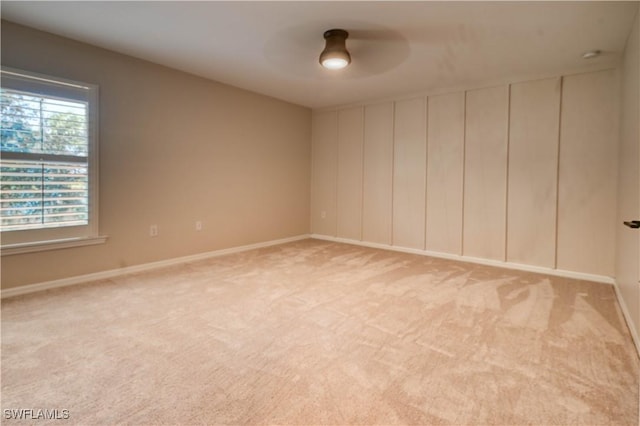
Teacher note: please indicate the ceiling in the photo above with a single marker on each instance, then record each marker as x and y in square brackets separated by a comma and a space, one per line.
[397, 47]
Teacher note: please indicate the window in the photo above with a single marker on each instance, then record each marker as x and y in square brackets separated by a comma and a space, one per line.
[48, 163]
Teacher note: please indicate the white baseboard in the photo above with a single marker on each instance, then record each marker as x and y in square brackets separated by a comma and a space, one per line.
[31, 288]
[627, 316]
[508, 265]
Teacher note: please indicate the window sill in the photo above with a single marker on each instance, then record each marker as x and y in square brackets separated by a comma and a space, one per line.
[22, 248]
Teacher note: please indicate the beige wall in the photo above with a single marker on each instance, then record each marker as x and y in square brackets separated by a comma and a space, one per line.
[174, 148]
[627, 256]
[523, 173]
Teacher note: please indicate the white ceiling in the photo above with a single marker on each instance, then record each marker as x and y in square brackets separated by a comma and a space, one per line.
[397, 47]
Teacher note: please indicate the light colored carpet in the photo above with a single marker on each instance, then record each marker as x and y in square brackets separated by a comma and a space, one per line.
[313, 332]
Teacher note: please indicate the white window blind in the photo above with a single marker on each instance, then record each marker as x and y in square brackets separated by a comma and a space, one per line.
[44, 171]
[47, 147]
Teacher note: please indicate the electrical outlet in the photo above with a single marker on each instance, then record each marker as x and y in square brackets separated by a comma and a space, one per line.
[198, 225]
[323, 215]
[153, 231]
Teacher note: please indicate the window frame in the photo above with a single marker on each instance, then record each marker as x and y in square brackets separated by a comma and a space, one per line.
[49, 238]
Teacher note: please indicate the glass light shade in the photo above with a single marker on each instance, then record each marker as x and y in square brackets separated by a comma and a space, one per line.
[335, 54]
[334, 63]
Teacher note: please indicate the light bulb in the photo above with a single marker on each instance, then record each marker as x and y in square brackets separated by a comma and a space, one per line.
[335, 63]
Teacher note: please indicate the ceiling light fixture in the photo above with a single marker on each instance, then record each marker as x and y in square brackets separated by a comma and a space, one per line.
[335, 55]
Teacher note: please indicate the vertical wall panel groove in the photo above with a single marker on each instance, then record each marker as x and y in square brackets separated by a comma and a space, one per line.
[464, 176]
[314, 197]
[426, 167]
[336, 179]
[362, 176]
[393, 165]
[506, 193]
[555, 253]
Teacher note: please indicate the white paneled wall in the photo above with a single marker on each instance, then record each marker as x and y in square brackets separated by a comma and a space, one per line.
[588, 173]
[533, 172]
[485, 173]
[445, 173]
[522, 174]
[350, 140]
[378, 173]
[409, 173]
[324, 172]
